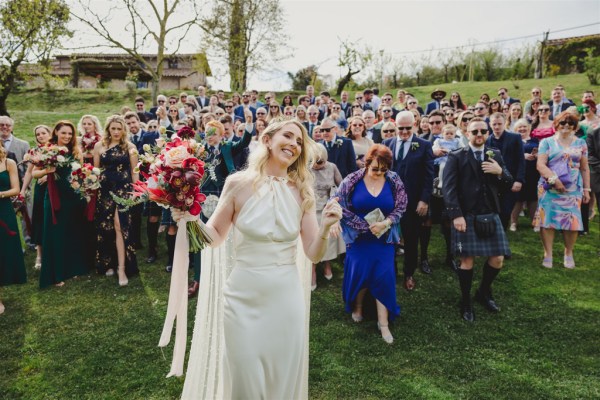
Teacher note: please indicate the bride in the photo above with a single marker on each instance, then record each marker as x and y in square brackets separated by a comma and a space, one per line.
[251, 341]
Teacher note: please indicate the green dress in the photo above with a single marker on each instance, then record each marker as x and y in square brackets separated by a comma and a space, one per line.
[63, 247]
[12, 265]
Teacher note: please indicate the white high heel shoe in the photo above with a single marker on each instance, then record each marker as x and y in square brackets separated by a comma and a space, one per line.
[389, 339]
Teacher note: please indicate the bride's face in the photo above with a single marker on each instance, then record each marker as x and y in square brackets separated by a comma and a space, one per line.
[286, 144]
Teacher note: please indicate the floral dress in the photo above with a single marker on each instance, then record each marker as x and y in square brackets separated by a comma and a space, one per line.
[116, 178]
[556, 210]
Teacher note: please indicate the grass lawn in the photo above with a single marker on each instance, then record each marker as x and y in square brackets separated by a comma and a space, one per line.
[93, 340]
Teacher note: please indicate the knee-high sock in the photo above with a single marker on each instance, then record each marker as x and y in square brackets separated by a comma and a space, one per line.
[170, 248]
[489, 274]
[197, 267]
[448, 240]
[152, 233]
[465, 277]
[424, 238]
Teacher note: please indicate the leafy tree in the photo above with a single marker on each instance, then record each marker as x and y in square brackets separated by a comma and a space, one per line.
[354, 59]
[304, 77]
[29, 31]
[162, 26]
[247, 34]
[591, 64]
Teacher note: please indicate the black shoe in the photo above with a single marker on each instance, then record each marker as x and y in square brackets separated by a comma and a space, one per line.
[453, 264]
[466, 311]
[169, 268]
[425, 267]
[151, 259]
[486, 301]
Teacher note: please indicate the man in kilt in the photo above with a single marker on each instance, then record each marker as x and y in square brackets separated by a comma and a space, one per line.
[473, 179]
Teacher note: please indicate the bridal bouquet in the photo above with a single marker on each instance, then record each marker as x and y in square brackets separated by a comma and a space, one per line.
[88, 141]
[85, 181]
[174, 176]
[51, 156]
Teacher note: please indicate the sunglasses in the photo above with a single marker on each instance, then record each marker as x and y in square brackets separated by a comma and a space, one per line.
[436, 122]
[501, 93]
[152, 127]
[479, 108]
[543, 109]
[228, 106]
[220, 113]
[173, 111]
[357, 125]
[412, 103]
[569, 122]
[476, 132]
[326, 129]
[466, 119]
[536, 102]
[404, 128]
[388, 131]
[356, 107]
[379, 169]
[313, 114]
[449, 114]
[274, 107]
[358, 98]
[261, 113]
[337, 108]
[387, 111]
[161, 101]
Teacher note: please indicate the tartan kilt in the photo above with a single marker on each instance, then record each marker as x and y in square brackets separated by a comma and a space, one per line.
[152, 209]
[167, 218]
[468, 244]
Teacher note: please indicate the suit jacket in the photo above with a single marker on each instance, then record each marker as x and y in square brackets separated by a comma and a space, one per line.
[342, 155]
[511, 148]
[146, 116]
[145, 138]
[239, 112]
[376, 134]
[202, 102]
[19, 147]
[511, 100]
[416, 170]
[563, 106]
[464, 181]
[593, 143]
[432, 105]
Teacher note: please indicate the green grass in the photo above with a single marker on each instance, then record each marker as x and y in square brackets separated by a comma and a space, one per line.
[92, 339]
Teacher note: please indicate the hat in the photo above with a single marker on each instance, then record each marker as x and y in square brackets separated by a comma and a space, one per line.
[436, 91]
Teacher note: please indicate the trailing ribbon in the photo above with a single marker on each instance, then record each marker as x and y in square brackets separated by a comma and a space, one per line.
[54, 197]
[26, 218]
[90, 208]
[178, 298]
[7, 229]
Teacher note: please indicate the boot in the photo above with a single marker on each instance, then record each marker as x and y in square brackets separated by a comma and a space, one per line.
[465, 278]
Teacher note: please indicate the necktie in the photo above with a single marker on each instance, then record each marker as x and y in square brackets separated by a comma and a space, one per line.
[556, 110]
[136, 139]
[311, 127]
[478, 154]
[400, 155]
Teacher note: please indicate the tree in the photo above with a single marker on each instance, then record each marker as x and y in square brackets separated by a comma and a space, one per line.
[354, 59]
[163, 27]
[29, 31]
[246, 34]
[304, 77]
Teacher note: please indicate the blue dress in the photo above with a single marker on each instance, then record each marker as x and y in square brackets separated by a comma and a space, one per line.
[369, 261]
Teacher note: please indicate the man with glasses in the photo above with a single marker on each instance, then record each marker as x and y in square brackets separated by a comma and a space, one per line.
[473, 178]
[437, 95]
[140, 109]
[240, 110]
[340, 150]
[313, 119]
[310, 92]
[505, 99]
[480, 110]
[360, 98]
[511, 148]
[161, 100]
[304, 100]
[202, 100]
[413, 162]
[413, 104]
[368, 99]
[386, 100]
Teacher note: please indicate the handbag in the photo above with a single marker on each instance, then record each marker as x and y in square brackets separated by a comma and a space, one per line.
[485, 225]
[561, 169]
[376, 216]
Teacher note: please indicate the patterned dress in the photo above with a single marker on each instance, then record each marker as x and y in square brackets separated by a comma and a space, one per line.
[116, 178]
[562, 211]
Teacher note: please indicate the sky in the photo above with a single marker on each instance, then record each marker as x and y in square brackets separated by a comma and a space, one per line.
[406, 30]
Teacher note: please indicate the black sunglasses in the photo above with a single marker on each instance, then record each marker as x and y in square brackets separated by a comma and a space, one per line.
[326, 129]
[388, 131]
[478, 131]
[404, 128]
[436, 122]
[466, 119]
[566, 121]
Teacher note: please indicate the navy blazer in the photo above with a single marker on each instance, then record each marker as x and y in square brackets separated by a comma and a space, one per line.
[416, 170]
[145, 138]
[511, 147]
[432, 105]
[239, 112]
[342, 155]
[563, 107]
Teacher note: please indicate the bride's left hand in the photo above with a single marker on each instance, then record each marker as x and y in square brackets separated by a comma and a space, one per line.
[332, 213]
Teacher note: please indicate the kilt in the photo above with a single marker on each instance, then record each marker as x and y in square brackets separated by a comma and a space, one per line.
[151, 209]
[468, 244]
[167, 219]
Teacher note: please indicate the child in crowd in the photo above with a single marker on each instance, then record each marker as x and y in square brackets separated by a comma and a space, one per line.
[449, 142]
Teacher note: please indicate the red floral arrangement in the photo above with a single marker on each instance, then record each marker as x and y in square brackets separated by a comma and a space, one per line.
[88, 141]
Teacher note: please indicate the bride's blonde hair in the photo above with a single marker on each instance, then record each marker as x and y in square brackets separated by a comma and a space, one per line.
[299, 172]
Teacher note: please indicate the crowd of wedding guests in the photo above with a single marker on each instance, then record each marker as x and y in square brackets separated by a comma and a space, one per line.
[446, 162]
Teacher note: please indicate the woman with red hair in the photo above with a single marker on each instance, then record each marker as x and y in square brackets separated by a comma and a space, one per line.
[373, 200]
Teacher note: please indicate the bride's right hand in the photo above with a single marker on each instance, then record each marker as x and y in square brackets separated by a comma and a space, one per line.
[177, 214]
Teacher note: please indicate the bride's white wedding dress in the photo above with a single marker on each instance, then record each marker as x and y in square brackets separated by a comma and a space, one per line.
[251, 341]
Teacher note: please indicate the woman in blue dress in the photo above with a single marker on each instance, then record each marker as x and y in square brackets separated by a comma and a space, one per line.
[369, 263]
